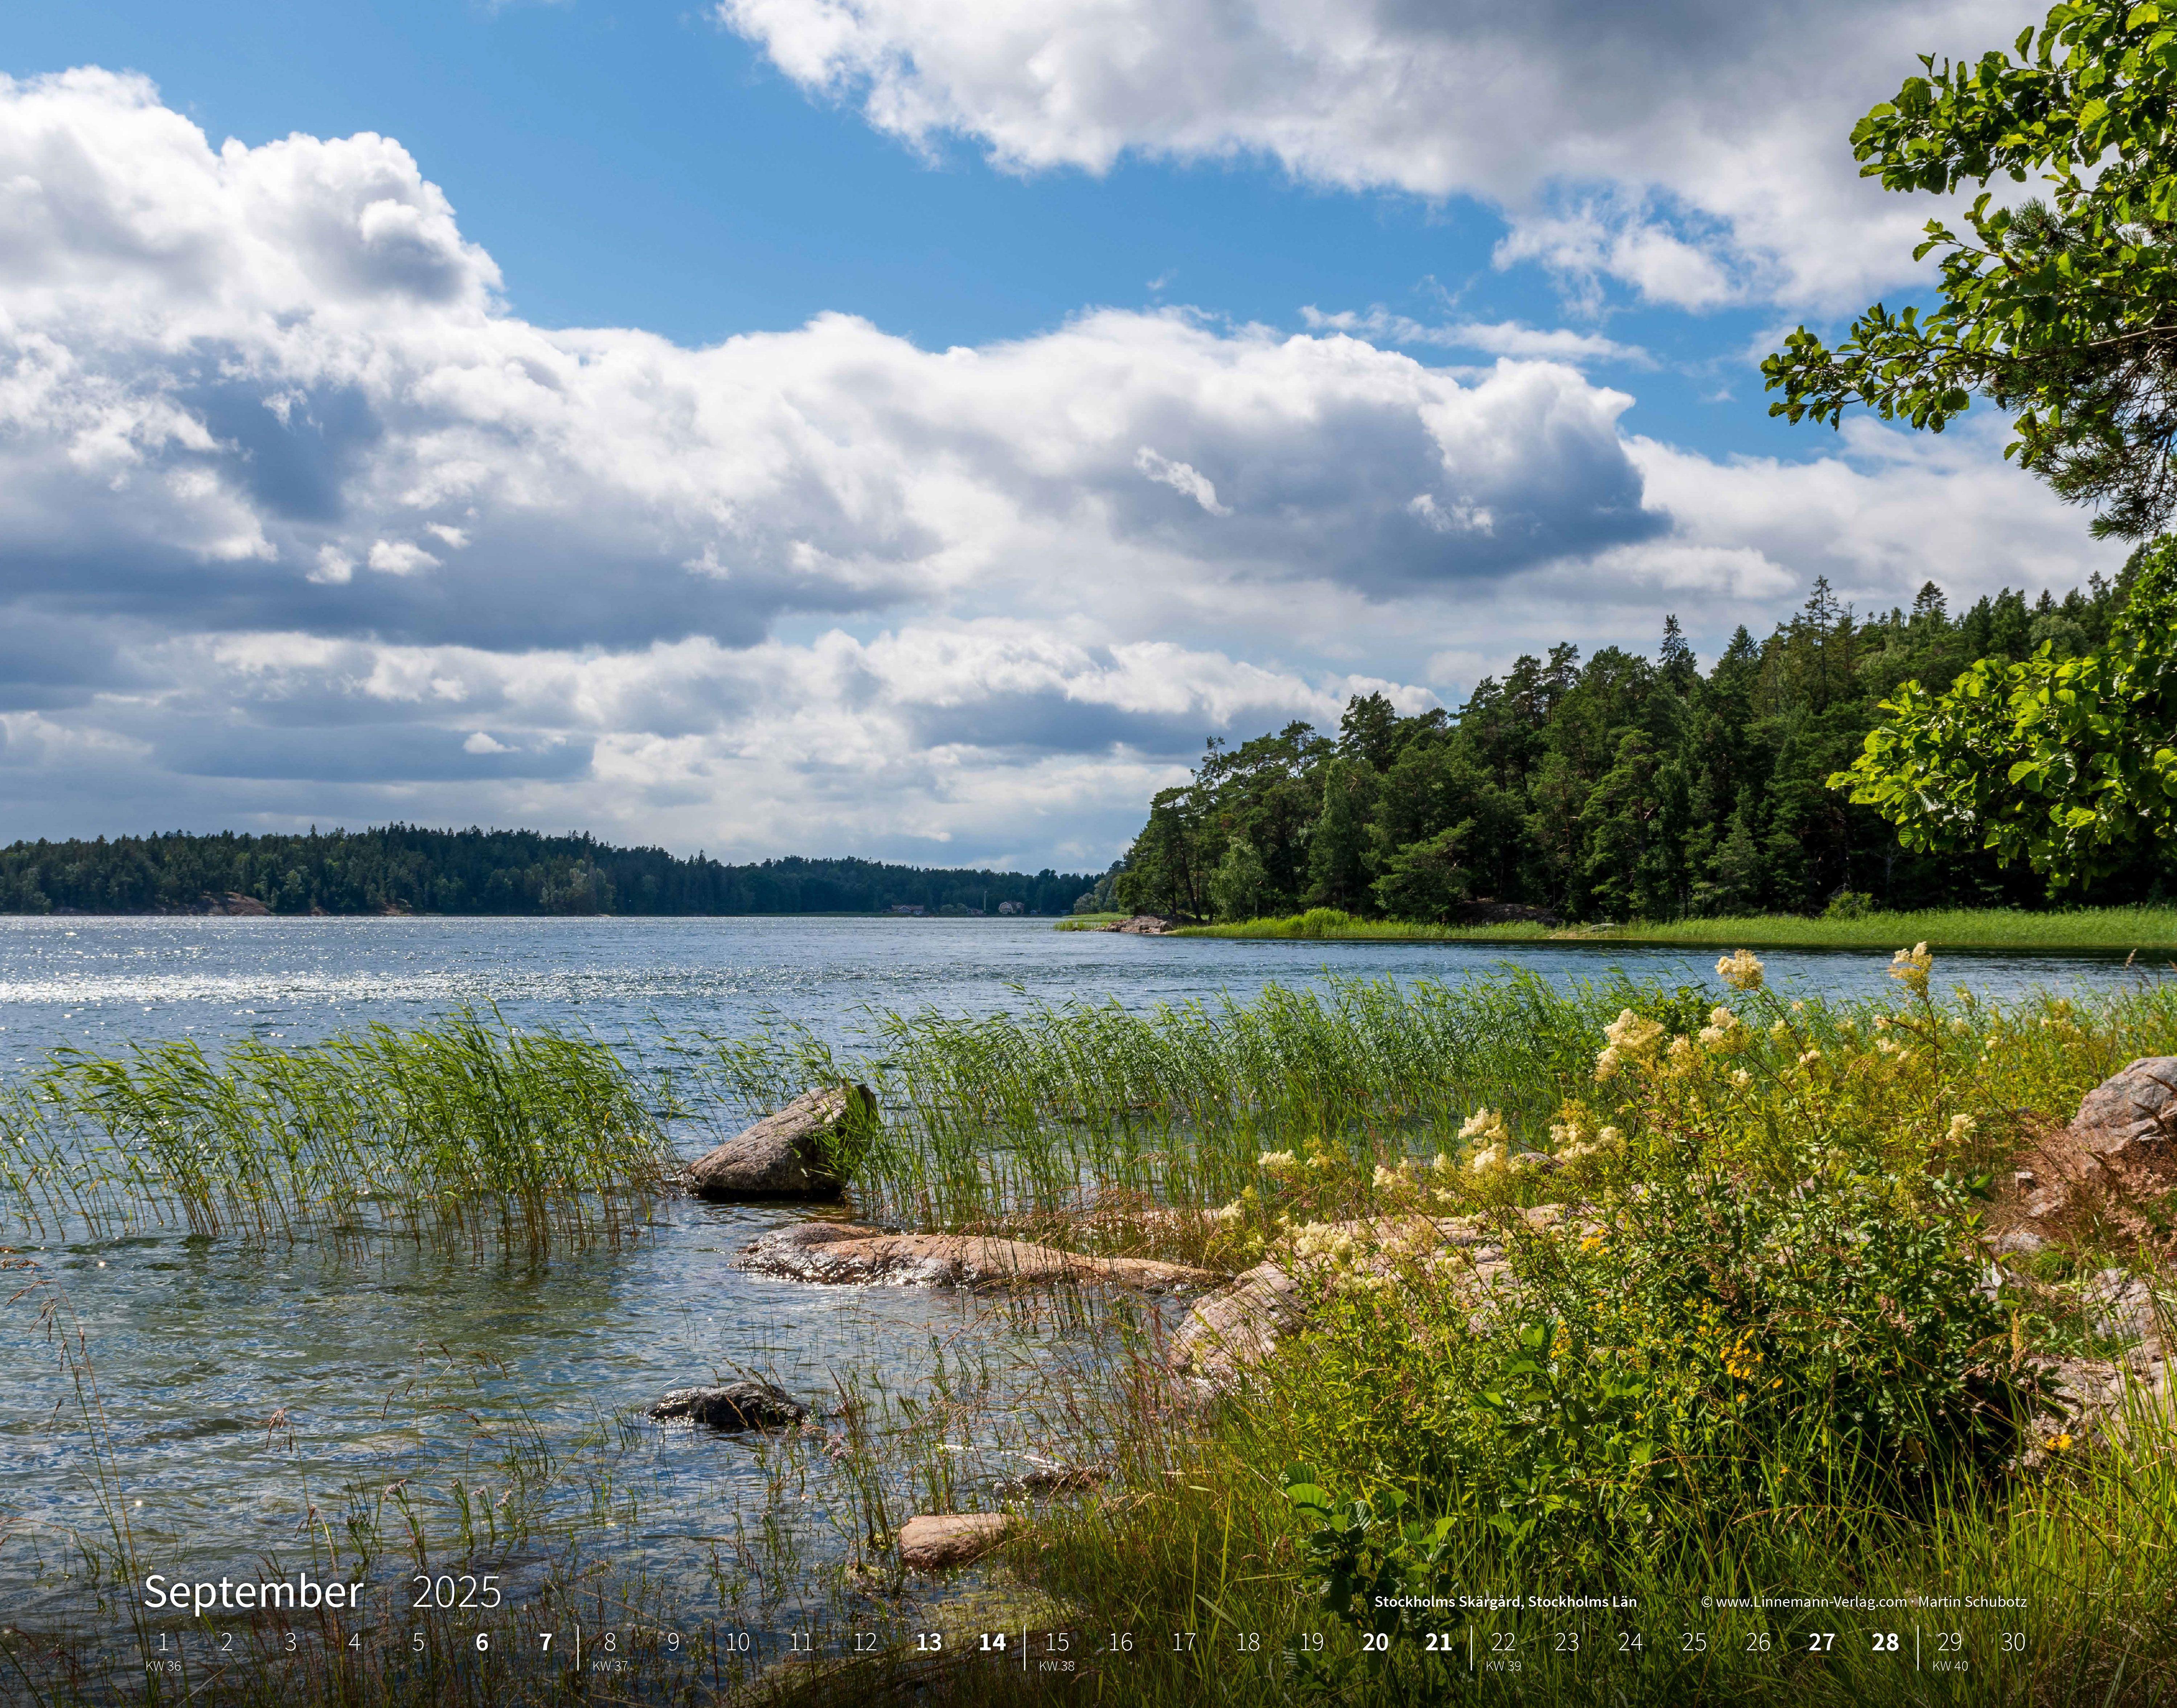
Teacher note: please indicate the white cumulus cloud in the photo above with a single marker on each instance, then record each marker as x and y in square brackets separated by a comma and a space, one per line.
[1694, 149]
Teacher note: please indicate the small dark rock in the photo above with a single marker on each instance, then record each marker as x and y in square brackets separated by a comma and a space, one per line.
[739, 1405]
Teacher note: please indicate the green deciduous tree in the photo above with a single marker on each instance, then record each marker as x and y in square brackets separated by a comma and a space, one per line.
[2064, 763]
[2063, 311]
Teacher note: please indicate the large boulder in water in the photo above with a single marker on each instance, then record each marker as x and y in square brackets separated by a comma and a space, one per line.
[738, 1405]
[789, 1155]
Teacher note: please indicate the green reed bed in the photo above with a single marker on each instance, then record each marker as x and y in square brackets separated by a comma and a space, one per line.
[1054, 1114]
[1052, 1109]
[465, 1125]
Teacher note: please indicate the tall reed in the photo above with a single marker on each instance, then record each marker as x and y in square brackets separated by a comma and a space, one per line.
[463, 1125]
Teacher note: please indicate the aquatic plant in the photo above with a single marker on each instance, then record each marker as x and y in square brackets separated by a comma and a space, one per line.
[524, 1137]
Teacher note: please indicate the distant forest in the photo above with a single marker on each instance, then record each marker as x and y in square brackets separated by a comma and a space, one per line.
[406, 868]
[1626, 787]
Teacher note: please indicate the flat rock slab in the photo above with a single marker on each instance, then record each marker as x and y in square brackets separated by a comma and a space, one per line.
[844, 1254]
[738, 1405]
[930, 1544]
[788, 1154]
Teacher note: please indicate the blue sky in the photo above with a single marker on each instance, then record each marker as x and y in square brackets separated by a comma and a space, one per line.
[543, 414]
[650, 167]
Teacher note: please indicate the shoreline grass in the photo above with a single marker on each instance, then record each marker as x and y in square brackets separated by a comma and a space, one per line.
[1088, 922]
[2145, 931]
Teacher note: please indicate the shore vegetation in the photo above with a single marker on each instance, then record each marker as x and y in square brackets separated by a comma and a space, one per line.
[2144, 930]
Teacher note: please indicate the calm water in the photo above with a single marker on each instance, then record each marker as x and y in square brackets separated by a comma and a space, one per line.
[423, 1363]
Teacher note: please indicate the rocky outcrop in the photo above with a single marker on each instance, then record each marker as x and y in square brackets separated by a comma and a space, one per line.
[2117, 1154]
[843, 1253]
[931, 1543]
[2131, 1115]
[789, 1155]
[1231, 1332]
[1143, 925]
[738, 1405]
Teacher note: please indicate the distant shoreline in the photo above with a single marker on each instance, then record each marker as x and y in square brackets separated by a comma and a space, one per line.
[2143, 931]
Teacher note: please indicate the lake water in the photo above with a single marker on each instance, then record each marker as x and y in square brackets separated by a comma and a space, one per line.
[412, 1368]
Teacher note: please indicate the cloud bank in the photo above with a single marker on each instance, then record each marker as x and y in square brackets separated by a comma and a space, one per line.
[298, 520]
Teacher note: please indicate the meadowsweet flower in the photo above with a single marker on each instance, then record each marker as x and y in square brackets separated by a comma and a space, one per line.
[1959, 1026]
[1740, 970]
[1962, 1128]
[1725, 1034]
[1322, 1239]
[1488, 1160]
[1741, 1078]
[1808, 1058]
[1632, 1037]
[1279, 1164]
[1484, 1124]
[1681, 1051]
[1911, 967]
[1609, 1135]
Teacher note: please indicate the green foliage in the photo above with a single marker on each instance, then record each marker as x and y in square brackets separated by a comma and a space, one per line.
[1619, 790]
[2059, 313]
[2065, 764]
[408, 868]
[1240, 887]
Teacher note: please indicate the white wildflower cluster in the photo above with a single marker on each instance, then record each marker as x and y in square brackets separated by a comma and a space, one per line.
[1911, 968]
[1633, 1038]
[1323, 1240]
[1484, 1126]
[1962, 1128]
[1740, 970]
[1725, 1033]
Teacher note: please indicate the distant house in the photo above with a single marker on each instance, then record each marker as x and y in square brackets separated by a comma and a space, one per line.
[1012, 907]
[908, 908]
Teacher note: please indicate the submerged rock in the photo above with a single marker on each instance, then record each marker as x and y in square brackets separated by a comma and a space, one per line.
[738, 1405]
[788, 1154]
[932, 1542]
[843, 1253]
